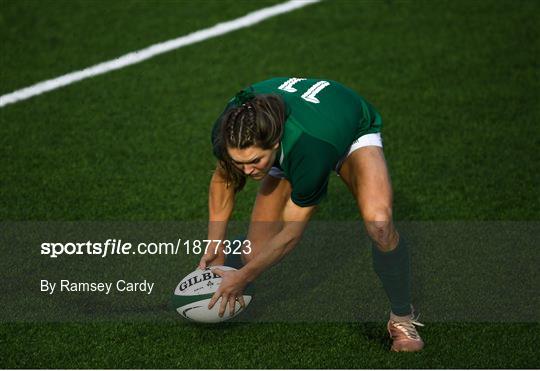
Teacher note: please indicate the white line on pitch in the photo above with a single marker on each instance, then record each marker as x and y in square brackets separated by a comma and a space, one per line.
[153, 50]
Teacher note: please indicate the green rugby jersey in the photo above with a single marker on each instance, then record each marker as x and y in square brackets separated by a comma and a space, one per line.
[323, 118]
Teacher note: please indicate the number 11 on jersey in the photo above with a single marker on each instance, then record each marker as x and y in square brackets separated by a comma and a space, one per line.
[310, 94]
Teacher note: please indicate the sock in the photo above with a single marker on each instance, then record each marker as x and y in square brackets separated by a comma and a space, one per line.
[235, 260]
[393, 269]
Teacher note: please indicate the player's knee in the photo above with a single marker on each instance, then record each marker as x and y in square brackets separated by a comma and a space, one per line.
[380, 228]
[384, 237]
[379, 214]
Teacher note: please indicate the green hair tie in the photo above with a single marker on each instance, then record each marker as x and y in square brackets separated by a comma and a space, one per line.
[243, 96]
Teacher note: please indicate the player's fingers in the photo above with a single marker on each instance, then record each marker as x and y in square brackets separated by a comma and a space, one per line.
[218, 271]
[202, 263]
[232, 305]
[223, 306]
[215, 298]
[242, 302]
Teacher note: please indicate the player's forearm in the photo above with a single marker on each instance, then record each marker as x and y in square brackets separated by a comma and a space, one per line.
[275, 249]
[220, 207]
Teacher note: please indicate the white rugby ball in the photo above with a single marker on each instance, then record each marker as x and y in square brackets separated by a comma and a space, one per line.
[193, 293]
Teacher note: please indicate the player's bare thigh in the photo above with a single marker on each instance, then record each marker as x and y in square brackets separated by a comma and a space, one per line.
[267, 214]
[366, 175]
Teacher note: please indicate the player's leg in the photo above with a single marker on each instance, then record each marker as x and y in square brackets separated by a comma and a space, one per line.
[366, 175]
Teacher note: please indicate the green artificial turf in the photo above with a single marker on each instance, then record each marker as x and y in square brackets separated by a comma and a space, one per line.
[169, 345]
[456, 83]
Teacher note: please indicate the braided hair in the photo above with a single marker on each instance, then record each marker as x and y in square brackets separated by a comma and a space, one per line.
[255, 120]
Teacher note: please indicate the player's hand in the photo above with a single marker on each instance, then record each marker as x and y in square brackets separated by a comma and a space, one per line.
[212, 257]
[231, 289]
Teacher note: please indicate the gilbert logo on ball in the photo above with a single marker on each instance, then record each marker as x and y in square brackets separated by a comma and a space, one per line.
[193, 293]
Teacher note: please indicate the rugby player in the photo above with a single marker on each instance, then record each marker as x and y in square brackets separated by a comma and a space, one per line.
[291, 134]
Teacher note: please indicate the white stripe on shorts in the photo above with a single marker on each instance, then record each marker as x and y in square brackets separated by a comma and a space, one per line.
[373, 139]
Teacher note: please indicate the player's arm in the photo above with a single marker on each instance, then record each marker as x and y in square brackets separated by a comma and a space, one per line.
[234, 282]
[310, 170]
[220, 208]
[295, 220]
[220, 197]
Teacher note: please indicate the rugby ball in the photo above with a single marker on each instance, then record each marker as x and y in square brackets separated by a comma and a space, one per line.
[193, 293]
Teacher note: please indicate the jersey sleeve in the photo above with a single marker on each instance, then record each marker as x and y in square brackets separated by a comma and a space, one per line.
[312, 161]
